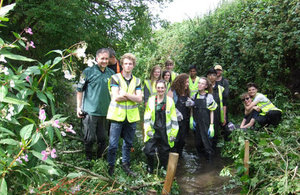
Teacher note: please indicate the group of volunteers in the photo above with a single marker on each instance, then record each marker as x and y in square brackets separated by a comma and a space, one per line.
[108, 97]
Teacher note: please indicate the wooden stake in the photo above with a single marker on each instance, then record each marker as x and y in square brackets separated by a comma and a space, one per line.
[246, 157]
[172, 165]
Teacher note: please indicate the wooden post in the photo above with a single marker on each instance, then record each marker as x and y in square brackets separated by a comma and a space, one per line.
[246, 157]
[172, 165]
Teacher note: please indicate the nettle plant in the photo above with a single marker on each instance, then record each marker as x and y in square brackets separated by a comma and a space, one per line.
[27, 132]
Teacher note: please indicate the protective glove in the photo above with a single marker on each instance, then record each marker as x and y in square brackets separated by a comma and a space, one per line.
[192, 123]
[179, 115]
[150, 134]
[211, 131]
[189, 102]
[172, 138]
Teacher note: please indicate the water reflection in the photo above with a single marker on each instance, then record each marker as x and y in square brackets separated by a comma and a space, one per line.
[196, 175]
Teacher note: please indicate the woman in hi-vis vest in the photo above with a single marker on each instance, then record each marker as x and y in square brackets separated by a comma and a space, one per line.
[161, 126]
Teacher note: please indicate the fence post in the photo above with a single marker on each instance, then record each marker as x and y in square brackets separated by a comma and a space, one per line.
[171, 171]
[246, 157]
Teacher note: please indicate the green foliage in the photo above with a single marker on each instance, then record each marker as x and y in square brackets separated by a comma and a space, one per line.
[274, 158]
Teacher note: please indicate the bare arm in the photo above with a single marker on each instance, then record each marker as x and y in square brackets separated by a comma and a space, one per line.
[250, 124]
[224, 112]
[79, 103]
[249, 108]
[211, 117]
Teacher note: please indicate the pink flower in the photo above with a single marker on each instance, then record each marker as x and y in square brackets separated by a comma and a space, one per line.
[28, 78]
[70, 129]
[45, 155]
[42, 115]
[31, 44]
[19, 160]
[56, 124]
[53, 155]
[25, 157]
[28, 30]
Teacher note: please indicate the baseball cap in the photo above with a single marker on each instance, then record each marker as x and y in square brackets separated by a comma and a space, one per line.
[218, 67]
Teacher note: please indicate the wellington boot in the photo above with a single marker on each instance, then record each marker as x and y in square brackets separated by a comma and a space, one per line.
[127, 169]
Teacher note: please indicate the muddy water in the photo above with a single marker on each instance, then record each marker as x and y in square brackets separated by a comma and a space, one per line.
[196, 175]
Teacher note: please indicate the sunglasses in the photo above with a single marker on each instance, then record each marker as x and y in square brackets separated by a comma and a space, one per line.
[245, 99]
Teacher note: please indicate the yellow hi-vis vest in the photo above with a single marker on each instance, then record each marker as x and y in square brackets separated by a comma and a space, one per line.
[151, 88]
[220, 90]
[171, 120]
[193, 86]
[266, 107]
[173, 75]
[118, 111]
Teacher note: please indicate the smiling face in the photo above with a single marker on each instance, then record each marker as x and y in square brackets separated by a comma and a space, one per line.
[167, 76]
[193, 73]
[247, 100]
[212, 77]
[160, 88]
[202, 85]
[252, 91]
[127, 65]
[219, 72]
[156, 73]
[102, 59]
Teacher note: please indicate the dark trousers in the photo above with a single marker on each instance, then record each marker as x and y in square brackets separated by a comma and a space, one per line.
[95, 130]
[180, 139]
[272, 117]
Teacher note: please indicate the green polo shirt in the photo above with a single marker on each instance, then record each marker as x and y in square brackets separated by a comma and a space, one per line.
[94, 83]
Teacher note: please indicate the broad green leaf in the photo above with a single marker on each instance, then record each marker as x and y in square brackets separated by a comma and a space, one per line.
[73, 175]
[3, 92]
[1, 42]
[35, 138]
[3, 187]
[58, 134]
[50, 131]
[47, 169]
[11, 100]
[2, 129]
[50, 96]
[32, 70]
[40, 156]
[26, 131]
[16, 57]
[5, 9]
[42, 97]
[9, 142]
[55, 51]
[22, 43]
[56, 60]
[16, 35]
[277, 142]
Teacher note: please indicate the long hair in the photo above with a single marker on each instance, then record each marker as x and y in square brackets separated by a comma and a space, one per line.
[208, 83]
[178, 84]
[152, 73]
[164, 73]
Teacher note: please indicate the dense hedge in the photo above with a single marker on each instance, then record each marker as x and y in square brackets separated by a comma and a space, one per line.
[253, 40]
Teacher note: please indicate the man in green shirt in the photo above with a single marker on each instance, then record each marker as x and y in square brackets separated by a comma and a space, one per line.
[93, 99]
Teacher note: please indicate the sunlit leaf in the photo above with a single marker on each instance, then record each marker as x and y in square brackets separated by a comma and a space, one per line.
[26, 131]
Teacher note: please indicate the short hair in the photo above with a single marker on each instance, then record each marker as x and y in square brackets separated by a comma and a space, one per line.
[211, 71]
[192, 67]
[129, 56]
[250, 84]
[102, 50]
[169, 62]
[244, 95]
[161, 81]
[112, 52]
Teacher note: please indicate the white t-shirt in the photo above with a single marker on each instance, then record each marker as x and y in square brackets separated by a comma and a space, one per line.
[260, 98]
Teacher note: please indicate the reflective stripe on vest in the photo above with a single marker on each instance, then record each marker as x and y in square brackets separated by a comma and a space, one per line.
[266, 107]
[171, 120]
[220, 90]
[151, 88]
[119, 111]
[193, 86]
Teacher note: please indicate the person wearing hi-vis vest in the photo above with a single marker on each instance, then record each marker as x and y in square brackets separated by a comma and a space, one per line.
[203, 111]
[269, 114]
[92, 103]
[193, 80]
[161, 126]
[169, 65]
[149, 87]
[123, 112]
[220, 112]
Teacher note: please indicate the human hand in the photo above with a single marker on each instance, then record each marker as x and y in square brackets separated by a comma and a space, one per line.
[211, 131]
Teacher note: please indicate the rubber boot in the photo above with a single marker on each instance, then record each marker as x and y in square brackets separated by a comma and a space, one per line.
[100, 150]
[150, 164]
[127, 170]
[111, 170]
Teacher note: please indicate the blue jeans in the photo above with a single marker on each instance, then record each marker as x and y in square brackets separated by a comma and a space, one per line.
[128, 130]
